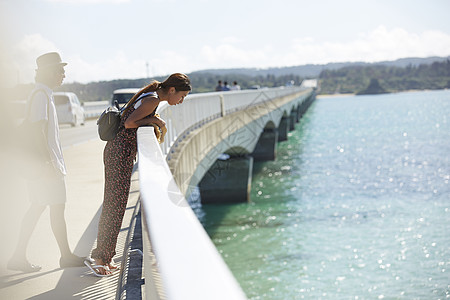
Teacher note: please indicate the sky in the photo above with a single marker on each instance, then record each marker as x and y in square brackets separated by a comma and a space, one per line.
[127, 39]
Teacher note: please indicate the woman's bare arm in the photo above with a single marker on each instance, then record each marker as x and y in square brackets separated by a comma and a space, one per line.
[138, 117]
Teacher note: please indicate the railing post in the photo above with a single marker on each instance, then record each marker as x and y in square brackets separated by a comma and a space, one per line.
[222, 105]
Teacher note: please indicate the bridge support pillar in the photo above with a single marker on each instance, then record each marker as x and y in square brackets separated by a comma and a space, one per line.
[305, 105]
[299, 112]
[227, 181]
[283, 128]
[296, 112]
[293, 120]
[267, 145]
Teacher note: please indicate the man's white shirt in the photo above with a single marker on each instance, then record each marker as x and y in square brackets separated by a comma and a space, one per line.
[38, 112]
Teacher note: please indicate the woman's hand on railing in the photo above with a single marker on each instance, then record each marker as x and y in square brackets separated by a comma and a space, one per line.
[160, 132]
[156, 119]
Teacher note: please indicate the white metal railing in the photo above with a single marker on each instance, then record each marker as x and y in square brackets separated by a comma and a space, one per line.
[198, 109]
[94, 109]
[176, 246]
[231, 101]
[187, 263]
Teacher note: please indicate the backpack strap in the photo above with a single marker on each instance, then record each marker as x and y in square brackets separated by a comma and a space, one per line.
[123, 109]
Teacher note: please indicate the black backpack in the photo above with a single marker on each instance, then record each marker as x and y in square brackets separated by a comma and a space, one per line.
[109, 121]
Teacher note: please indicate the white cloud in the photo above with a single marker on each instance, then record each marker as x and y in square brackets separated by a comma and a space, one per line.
[118, 66]
[230, 40]
[378, 45]
[22, 63]
[23, 55]
[170, 62]
[229, 56]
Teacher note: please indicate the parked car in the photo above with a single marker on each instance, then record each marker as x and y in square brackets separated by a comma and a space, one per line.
[68, 108]
[122, 96]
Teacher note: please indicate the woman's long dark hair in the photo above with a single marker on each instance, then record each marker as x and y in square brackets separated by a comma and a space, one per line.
[177, 80]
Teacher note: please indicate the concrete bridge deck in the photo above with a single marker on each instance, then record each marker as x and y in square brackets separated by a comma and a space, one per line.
[84, 184]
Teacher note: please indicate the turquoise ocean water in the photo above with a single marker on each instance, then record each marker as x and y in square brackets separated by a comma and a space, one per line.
[356, 205]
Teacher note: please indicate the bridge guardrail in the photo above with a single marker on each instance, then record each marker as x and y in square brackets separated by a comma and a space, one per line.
[188, 264]
[215, 104]
[198, 109]
[93, 109]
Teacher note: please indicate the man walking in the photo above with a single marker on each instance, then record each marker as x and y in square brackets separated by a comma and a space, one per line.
[47, 188]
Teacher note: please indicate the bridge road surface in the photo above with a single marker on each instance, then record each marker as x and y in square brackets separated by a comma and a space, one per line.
[83, 152]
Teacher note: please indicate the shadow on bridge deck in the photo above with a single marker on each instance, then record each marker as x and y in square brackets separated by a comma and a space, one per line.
[84, 184]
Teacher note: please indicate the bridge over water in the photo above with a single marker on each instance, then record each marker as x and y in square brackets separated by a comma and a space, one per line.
[212, 142]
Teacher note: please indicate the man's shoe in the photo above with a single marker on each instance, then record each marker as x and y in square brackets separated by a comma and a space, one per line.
[22, 265]
[71, 261]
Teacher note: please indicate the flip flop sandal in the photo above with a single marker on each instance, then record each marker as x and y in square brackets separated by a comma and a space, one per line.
[96, 273]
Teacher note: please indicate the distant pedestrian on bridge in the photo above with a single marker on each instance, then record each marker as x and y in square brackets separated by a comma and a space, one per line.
[47, 187]
[235, 86]
[119, 156]
[226, 87]
[219, 86]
